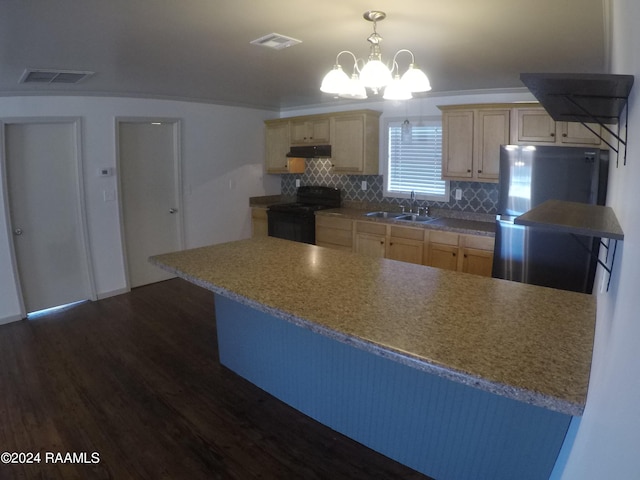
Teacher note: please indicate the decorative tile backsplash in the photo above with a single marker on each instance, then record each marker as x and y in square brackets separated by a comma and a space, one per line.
[477, 197]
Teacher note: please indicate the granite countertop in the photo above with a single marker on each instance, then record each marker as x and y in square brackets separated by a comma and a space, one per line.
[453, 221]
[529, 343]
[573, 217]
[442, 222]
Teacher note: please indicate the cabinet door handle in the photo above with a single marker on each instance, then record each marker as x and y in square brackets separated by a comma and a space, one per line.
[381, 242]
[565, 135]
[468, 170]
[552, 134]
[479, 171]
[453, 253]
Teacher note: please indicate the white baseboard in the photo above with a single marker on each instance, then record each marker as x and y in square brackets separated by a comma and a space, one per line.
[12, 318]
[113, 293]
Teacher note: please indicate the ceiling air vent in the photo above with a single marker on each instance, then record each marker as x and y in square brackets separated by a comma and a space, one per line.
[275, 41]
[50, 76]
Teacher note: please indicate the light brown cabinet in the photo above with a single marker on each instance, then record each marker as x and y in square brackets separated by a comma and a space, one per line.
[277, 143]
[354, 142]
[442, 250]
[472, 135]
[535, 126]
[259, 225]
[476, 255]
[370, 239]
[334, 232]
[353, 137]
[310, 131]
[471, 139]
[435, 248]
[458, 252]
[405, 244]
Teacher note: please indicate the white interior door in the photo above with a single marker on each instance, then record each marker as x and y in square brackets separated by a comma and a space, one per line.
[149, 181]
[44, 206]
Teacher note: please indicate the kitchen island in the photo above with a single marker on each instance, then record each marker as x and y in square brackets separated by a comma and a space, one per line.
[455, 375]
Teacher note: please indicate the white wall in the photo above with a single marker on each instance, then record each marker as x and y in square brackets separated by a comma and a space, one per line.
[222, 154]
[608, 440]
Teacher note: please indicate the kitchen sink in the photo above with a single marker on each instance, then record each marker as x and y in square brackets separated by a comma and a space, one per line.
[383, 214]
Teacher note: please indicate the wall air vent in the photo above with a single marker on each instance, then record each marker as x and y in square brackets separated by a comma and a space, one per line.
[275, 41]
[49, 76]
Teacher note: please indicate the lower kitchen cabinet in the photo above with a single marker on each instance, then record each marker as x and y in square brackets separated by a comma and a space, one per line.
[259, 225]
[462, 253]
[370, 238]
[442, 250]
[405, 244]
[476, 255]
[334, 232]
[435, 248]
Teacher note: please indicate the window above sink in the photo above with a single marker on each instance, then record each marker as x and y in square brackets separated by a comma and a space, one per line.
[413, 160]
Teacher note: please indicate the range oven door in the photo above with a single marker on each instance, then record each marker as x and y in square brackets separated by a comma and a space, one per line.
[299, 227]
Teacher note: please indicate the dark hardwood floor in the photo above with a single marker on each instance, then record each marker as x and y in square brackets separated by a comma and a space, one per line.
[136, 379]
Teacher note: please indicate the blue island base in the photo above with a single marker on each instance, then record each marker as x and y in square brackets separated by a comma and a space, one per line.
[438, 427]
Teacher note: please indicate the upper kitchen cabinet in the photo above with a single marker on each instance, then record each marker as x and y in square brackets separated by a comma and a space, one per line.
[535, 126]
[471, 139]
[354, 142]
[277, 143]
[310, 131]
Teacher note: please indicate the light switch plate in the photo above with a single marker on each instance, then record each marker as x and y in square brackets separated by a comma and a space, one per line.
[364, 185]
[109, 195]
[458, 194]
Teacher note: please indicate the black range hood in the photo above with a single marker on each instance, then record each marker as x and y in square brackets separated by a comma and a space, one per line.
[310, 151]
[580, 97]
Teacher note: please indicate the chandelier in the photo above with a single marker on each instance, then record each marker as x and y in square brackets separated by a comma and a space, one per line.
[375, 75]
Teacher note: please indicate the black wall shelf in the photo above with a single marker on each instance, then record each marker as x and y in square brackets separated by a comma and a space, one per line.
[578, 219]
[585, 98]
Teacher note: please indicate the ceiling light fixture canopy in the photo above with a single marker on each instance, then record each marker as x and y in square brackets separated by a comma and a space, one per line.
[375, 75]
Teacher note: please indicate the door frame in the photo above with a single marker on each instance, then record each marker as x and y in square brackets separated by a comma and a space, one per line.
[85, 245]
[176, 123]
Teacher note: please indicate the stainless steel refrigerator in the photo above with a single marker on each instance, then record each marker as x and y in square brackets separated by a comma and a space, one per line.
[530, 175]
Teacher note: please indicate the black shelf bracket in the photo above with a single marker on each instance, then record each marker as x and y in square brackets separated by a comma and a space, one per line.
[594, 119]
[582, 97]
[608, 266]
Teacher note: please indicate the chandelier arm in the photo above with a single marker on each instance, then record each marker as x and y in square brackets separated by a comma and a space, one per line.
[355, 60]
[413, 60]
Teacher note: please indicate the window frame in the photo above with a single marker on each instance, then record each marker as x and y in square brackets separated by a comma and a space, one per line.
[388, 123]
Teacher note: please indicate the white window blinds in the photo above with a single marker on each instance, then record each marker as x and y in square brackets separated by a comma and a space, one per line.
[415, 161]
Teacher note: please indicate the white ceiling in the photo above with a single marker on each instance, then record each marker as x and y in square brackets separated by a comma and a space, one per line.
[199, 49]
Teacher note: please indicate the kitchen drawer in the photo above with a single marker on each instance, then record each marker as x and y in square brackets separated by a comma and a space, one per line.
[406, 232]
[371, 227]
[444, 238]
[477, 241]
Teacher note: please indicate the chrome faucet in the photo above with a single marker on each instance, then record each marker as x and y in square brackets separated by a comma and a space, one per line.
[413, 201]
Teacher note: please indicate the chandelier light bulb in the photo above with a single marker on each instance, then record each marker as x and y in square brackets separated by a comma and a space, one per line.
[336, 81]
[355, 89]
[416, 80]
[375, 74]
[397, 90]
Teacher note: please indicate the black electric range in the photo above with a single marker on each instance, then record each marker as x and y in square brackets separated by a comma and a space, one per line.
[296, 221]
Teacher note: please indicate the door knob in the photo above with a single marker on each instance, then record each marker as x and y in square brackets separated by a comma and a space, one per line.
[173, 210]
[17, 231]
